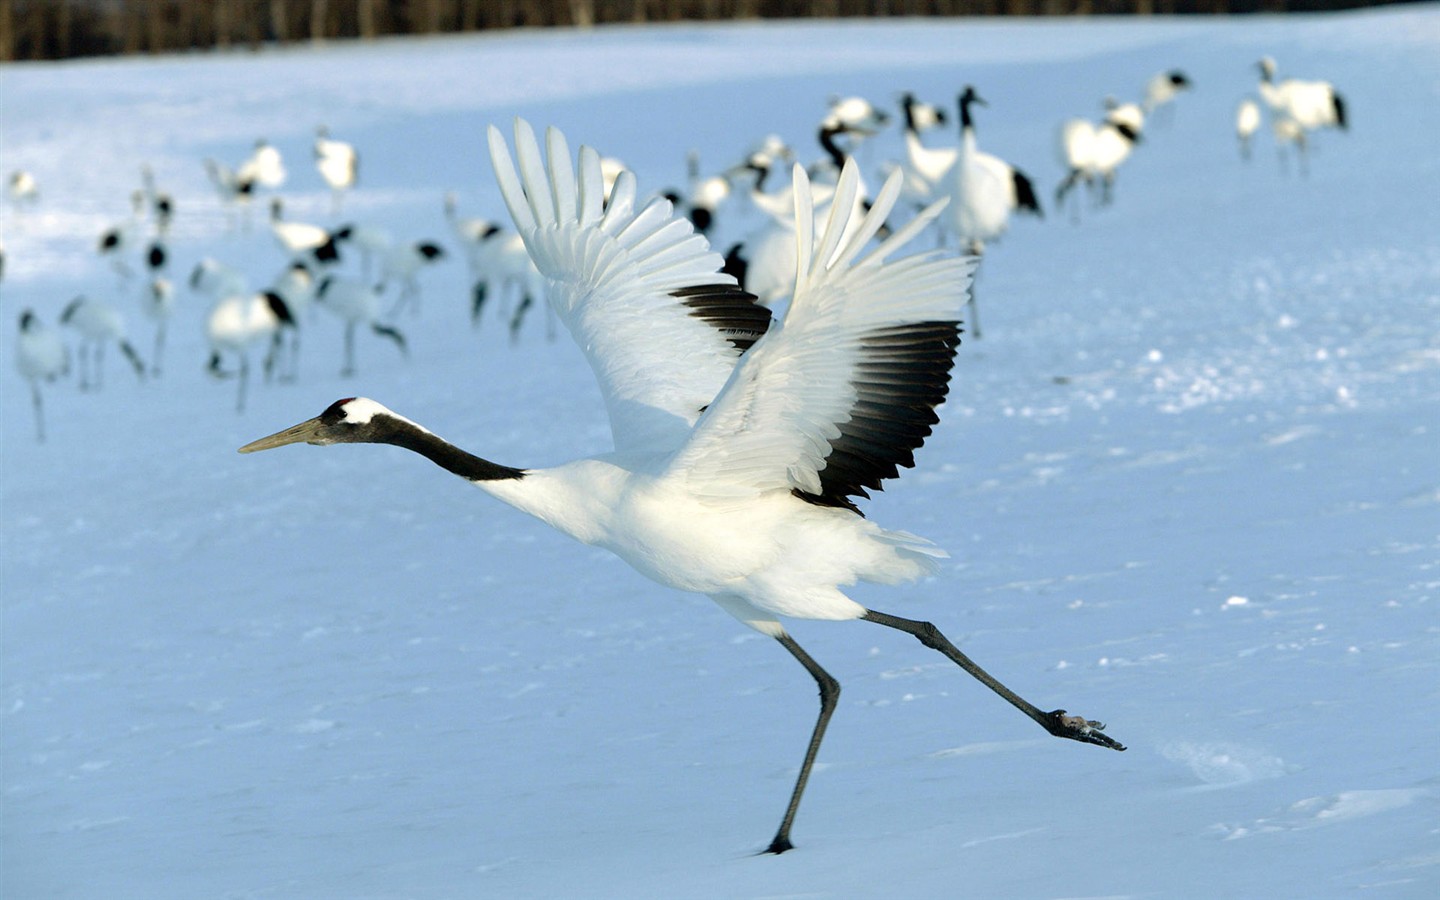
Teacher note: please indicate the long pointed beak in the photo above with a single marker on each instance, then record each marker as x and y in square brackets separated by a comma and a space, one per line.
[303, 433]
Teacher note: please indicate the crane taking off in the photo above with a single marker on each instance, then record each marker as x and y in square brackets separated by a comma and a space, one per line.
[740, 444]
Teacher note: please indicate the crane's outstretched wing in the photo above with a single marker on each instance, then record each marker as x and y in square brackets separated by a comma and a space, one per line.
[843, 391]
[641, 293]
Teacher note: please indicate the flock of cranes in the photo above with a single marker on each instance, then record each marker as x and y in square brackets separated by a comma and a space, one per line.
[740, 205]
[754, 397]
[240, 319]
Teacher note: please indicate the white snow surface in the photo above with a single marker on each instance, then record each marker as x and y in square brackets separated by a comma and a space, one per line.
[1189, 479]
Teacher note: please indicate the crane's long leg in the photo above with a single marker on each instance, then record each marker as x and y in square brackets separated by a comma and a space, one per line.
[39, 411]
[159, 351]
[349, 367]
[244, 381]
[1076, 728]
[976, 249]
[829, 696]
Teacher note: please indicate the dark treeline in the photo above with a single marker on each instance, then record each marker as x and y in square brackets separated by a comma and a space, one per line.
[56, 29]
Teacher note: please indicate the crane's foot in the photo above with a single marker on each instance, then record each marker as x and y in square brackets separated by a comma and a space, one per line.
[778, 846]
[1079, 728]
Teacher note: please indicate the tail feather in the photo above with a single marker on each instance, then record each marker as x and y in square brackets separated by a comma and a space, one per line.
[1025, 194]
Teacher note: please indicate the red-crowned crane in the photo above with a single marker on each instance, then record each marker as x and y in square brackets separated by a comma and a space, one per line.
[740, 444]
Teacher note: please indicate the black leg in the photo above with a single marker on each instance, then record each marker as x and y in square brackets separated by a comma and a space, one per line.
[1076, 728]
[974, 306]
[477, 301]
[244, 382]
[136, 362]
[349, 368]
[39, 411]
[519, 316]
[829, 696]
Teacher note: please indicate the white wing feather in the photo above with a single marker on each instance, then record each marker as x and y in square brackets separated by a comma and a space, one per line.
[775, 422]
[612, 275]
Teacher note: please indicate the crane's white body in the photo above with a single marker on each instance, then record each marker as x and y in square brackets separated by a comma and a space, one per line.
[1162, 88]
[295, 238]
[216, 279]
[351, 299]
[782, 557]
[95, 320]
[704, 502]
[469, 231]
[373, 242]
[124, 236]
[338, 164]
[296, 286]
[159, 300]
[401, 263]
[234, 325]
[981, 189]
[507, 276]
[264, 166]
[738, 441]
[238, 322]
[40, 355]
[1091, 151]
[356, 303]
[1308, 104]
[22, 190]
[925, 169]
[98, 324]
[771, 251]
[40, 351]
[403, 260]
[335, 160]
[1247, 122]
[233, 191]
[158, 305]
[857, 115]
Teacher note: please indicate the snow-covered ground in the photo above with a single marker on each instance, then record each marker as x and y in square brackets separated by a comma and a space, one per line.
[1190, 479]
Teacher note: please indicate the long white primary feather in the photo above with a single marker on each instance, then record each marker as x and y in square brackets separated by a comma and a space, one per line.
[793, 395]
[641, 293]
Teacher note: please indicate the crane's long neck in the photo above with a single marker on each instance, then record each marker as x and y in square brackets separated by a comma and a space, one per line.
[446, 455]
[967, 126]
[827, 140]
[908, 105]
[575, 499]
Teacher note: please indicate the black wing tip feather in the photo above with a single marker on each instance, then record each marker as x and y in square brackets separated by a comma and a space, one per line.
[903, 375]
[1025, 197]
[731, 310]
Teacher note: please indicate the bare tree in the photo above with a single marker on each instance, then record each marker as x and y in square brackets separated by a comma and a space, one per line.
[365, 19]
[279, 21]
[582, 13]
[7, 31]
[319, 12]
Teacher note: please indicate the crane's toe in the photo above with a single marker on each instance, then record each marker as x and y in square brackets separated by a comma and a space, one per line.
[778, 846]
[1079, 728]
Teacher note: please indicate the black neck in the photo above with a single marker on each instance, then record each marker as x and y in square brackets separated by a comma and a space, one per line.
[827, 140]
[907, 103]
[965, 121]
[446, 455]
[761, 173]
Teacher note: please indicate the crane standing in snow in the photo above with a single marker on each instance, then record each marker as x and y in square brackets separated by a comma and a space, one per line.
[983, 191]
[338, 164]
[739, 444]
[40, 355]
